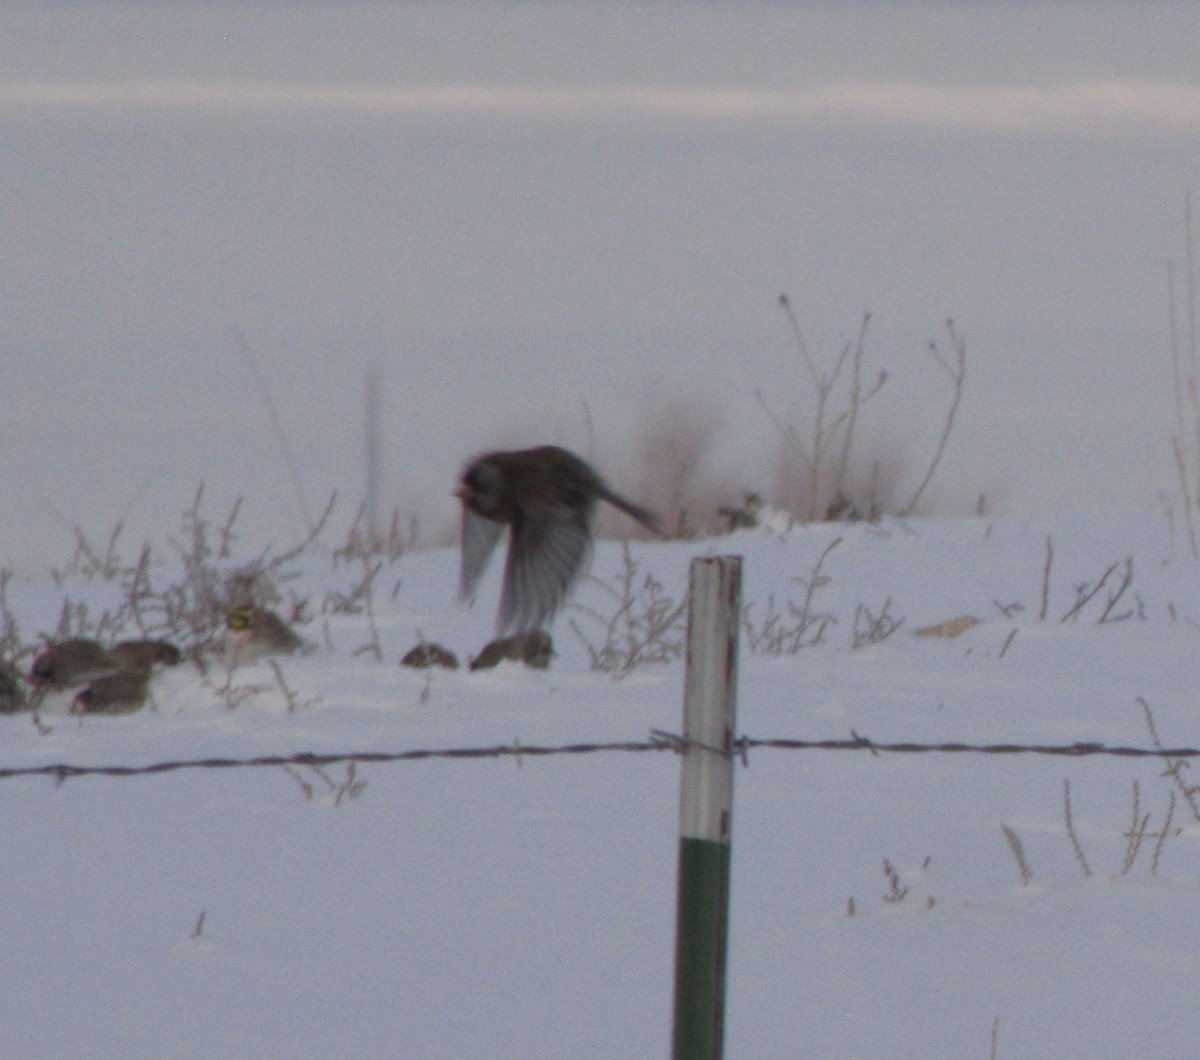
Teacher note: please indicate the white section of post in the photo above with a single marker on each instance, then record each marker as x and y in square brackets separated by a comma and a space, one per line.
[706, 807]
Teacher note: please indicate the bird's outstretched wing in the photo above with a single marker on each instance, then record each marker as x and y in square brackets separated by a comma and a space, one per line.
[548, 550]
[479, 537]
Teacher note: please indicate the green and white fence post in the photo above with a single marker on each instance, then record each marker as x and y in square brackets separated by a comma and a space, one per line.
[706, 806]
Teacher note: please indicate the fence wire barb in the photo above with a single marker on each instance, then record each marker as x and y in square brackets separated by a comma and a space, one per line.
[659, 741]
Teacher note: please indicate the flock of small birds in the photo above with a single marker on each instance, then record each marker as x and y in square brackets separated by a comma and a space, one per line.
[82, 676]
[544, 497]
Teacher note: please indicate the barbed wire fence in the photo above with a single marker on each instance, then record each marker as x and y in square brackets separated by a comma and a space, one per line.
[706, 804]
[658, 740]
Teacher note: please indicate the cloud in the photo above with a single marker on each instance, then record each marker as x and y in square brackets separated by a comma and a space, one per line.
[1098, 105]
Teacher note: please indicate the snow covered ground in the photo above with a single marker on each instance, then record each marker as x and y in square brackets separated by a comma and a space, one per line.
[525, 907]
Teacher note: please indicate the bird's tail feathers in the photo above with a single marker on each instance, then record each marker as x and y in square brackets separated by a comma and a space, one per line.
[647, 518]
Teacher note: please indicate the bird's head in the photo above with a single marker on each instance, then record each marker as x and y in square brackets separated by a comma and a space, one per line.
[481, 487]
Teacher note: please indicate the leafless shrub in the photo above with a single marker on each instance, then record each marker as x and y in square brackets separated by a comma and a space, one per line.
[823, 455]
[646, 627]
[824, 474]
[349, 788]
[190, 609]
[801, 625]
[360, 544]
[1135, 836]
[1086, 592]
[896, 891]
[874, 628]
[360, 600]
[90, 562]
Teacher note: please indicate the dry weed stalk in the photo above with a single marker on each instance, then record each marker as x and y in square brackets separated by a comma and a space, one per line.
[1184, 382]
[873, 629]
[955, 367]
[350, 788]
[1139, 829]
[1174, 767]
[895, 893]
[231, 694]
[1086, 592]
[360, 600]
[11, 648]
[1068, 817]
[294, 703]
[1046, 578]
[1136, 833]
[361, 544]
[1018, 852]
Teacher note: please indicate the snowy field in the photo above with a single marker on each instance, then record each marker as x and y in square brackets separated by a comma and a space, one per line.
[525, 907]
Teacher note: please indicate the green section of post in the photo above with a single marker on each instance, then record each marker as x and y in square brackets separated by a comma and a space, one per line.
[701, 934]
[706, 807]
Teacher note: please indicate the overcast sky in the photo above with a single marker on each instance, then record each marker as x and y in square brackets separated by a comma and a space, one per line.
[513, 210]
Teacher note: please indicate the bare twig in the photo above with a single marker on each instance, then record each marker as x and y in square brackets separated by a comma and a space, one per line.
[1186, 492]
[1075, 844]
[1136, 833]
[1086, 592]
[1018, 852]
[895, 893]
[1008, 641]
[1046, 577]
[956, 368]
[281, 438]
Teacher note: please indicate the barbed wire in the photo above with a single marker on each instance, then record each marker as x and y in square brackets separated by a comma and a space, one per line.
[1071, 750]
[659, 741]
[62, 770]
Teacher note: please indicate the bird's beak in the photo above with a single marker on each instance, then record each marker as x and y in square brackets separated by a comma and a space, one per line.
[463, 492]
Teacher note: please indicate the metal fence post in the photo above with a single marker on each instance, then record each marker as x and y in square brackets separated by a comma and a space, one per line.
[706, 807]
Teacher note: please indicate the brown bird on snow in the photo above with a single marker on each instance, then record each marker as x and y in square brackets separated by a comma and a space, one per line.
[70, 663]
[145, 654]
[120, 692]
[545, 497]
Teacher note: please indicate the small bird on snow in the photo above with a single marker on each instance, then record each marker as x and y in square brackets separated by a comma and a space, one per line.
[253, 632]
[120, 692]
[70, 663]
[145, 654]
[545, 497]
